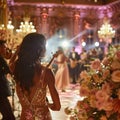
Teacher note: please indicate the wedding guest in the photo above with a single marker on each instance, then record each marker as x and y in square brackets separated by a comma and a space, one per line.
[74, 67]
[83, 59]
[62, 74]
[5, 106]
[32, 79]
[100, 53]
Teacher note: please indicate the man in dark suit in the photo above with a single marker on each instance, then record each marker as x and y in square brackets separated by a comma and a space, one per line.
[5, 107]
[74, 65]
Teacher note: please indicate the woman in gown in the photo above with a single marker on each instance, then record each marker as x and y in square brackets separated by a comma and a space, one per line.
[32, 79]
[62, 75]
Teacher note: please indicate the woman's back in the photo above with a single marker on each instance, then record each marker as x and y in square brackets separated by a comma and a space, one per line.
[34, 105]
[32, 79]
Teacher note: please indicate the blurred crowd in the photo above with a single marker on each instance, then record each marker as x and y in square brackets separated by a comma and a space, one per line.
[78, 62]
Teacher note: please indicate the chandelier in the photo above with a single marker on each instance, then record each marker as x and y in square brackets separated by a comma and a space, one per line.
[9, 25]
[26, 27]
[6, 32]
[10, 29]
[2, 32]
[10, 37]
[106, 32]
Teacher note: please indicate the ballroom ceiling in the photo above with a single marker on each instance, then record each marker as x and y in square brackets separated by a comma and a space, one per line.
[81, 2]
[49, 16]
[87, 9]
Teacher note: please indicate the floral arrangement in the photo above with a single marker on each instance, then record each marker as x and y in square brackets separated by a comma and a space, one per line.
[100, 87]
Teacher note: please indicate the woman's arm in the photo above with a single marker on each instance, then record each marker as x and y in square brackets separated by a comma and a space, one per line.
[54, 94]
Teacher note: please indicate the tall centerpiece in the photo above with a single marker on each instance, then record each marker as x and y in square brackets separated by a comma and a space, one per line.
[100, 87]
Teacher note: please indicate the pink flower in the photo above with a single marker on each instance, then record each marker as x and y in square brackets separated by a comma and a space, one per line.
[83, 74]
[106, 88]
[104, 105]
[101, 95]
[118, 54]
[92, 101]
[115, 65]
[116, 76]
[105, 61]
[84, 91]
[93, 91]
[103, 101]
[106, 73]
[99, 105]
[96, 78]
[96, 64]
[116, 105]
[108, 105]
[100, 87]
[86, 106]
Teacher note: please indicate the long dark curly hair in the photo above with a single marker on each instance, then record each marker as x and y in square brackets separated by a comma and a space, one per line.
[32, 49]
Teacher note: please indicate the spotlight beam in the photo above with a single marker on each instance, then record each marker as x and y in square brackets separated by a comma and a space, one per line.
[80, 34]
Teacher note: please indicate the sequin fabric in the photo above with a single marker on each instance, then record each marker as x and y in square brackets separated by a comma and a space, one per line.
[36, 109]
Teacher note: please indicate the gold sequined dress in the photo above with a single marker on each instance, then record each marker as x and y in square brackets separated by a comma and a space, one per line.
[36, 109]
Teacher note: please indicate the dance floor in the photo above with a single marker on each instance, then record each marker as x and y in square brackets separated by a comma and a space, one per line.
[67, 98]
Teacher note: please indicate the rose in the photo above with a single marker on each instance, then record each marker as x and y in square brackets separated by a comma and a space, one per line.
[115, 76]
[106, 87]
[115, 65]
[84, 91]
[96, 64]
[116, 105]
[101, 95]
[99, 105]
[84, 74]
[96, 78]
[118, 54]
[92, 101]
[106, 73]
[108, 105]
[105, 61]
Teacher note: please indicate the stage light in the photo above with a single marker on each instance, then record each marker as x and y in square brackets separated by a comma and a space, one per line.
[83, 44]
[96, 44]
